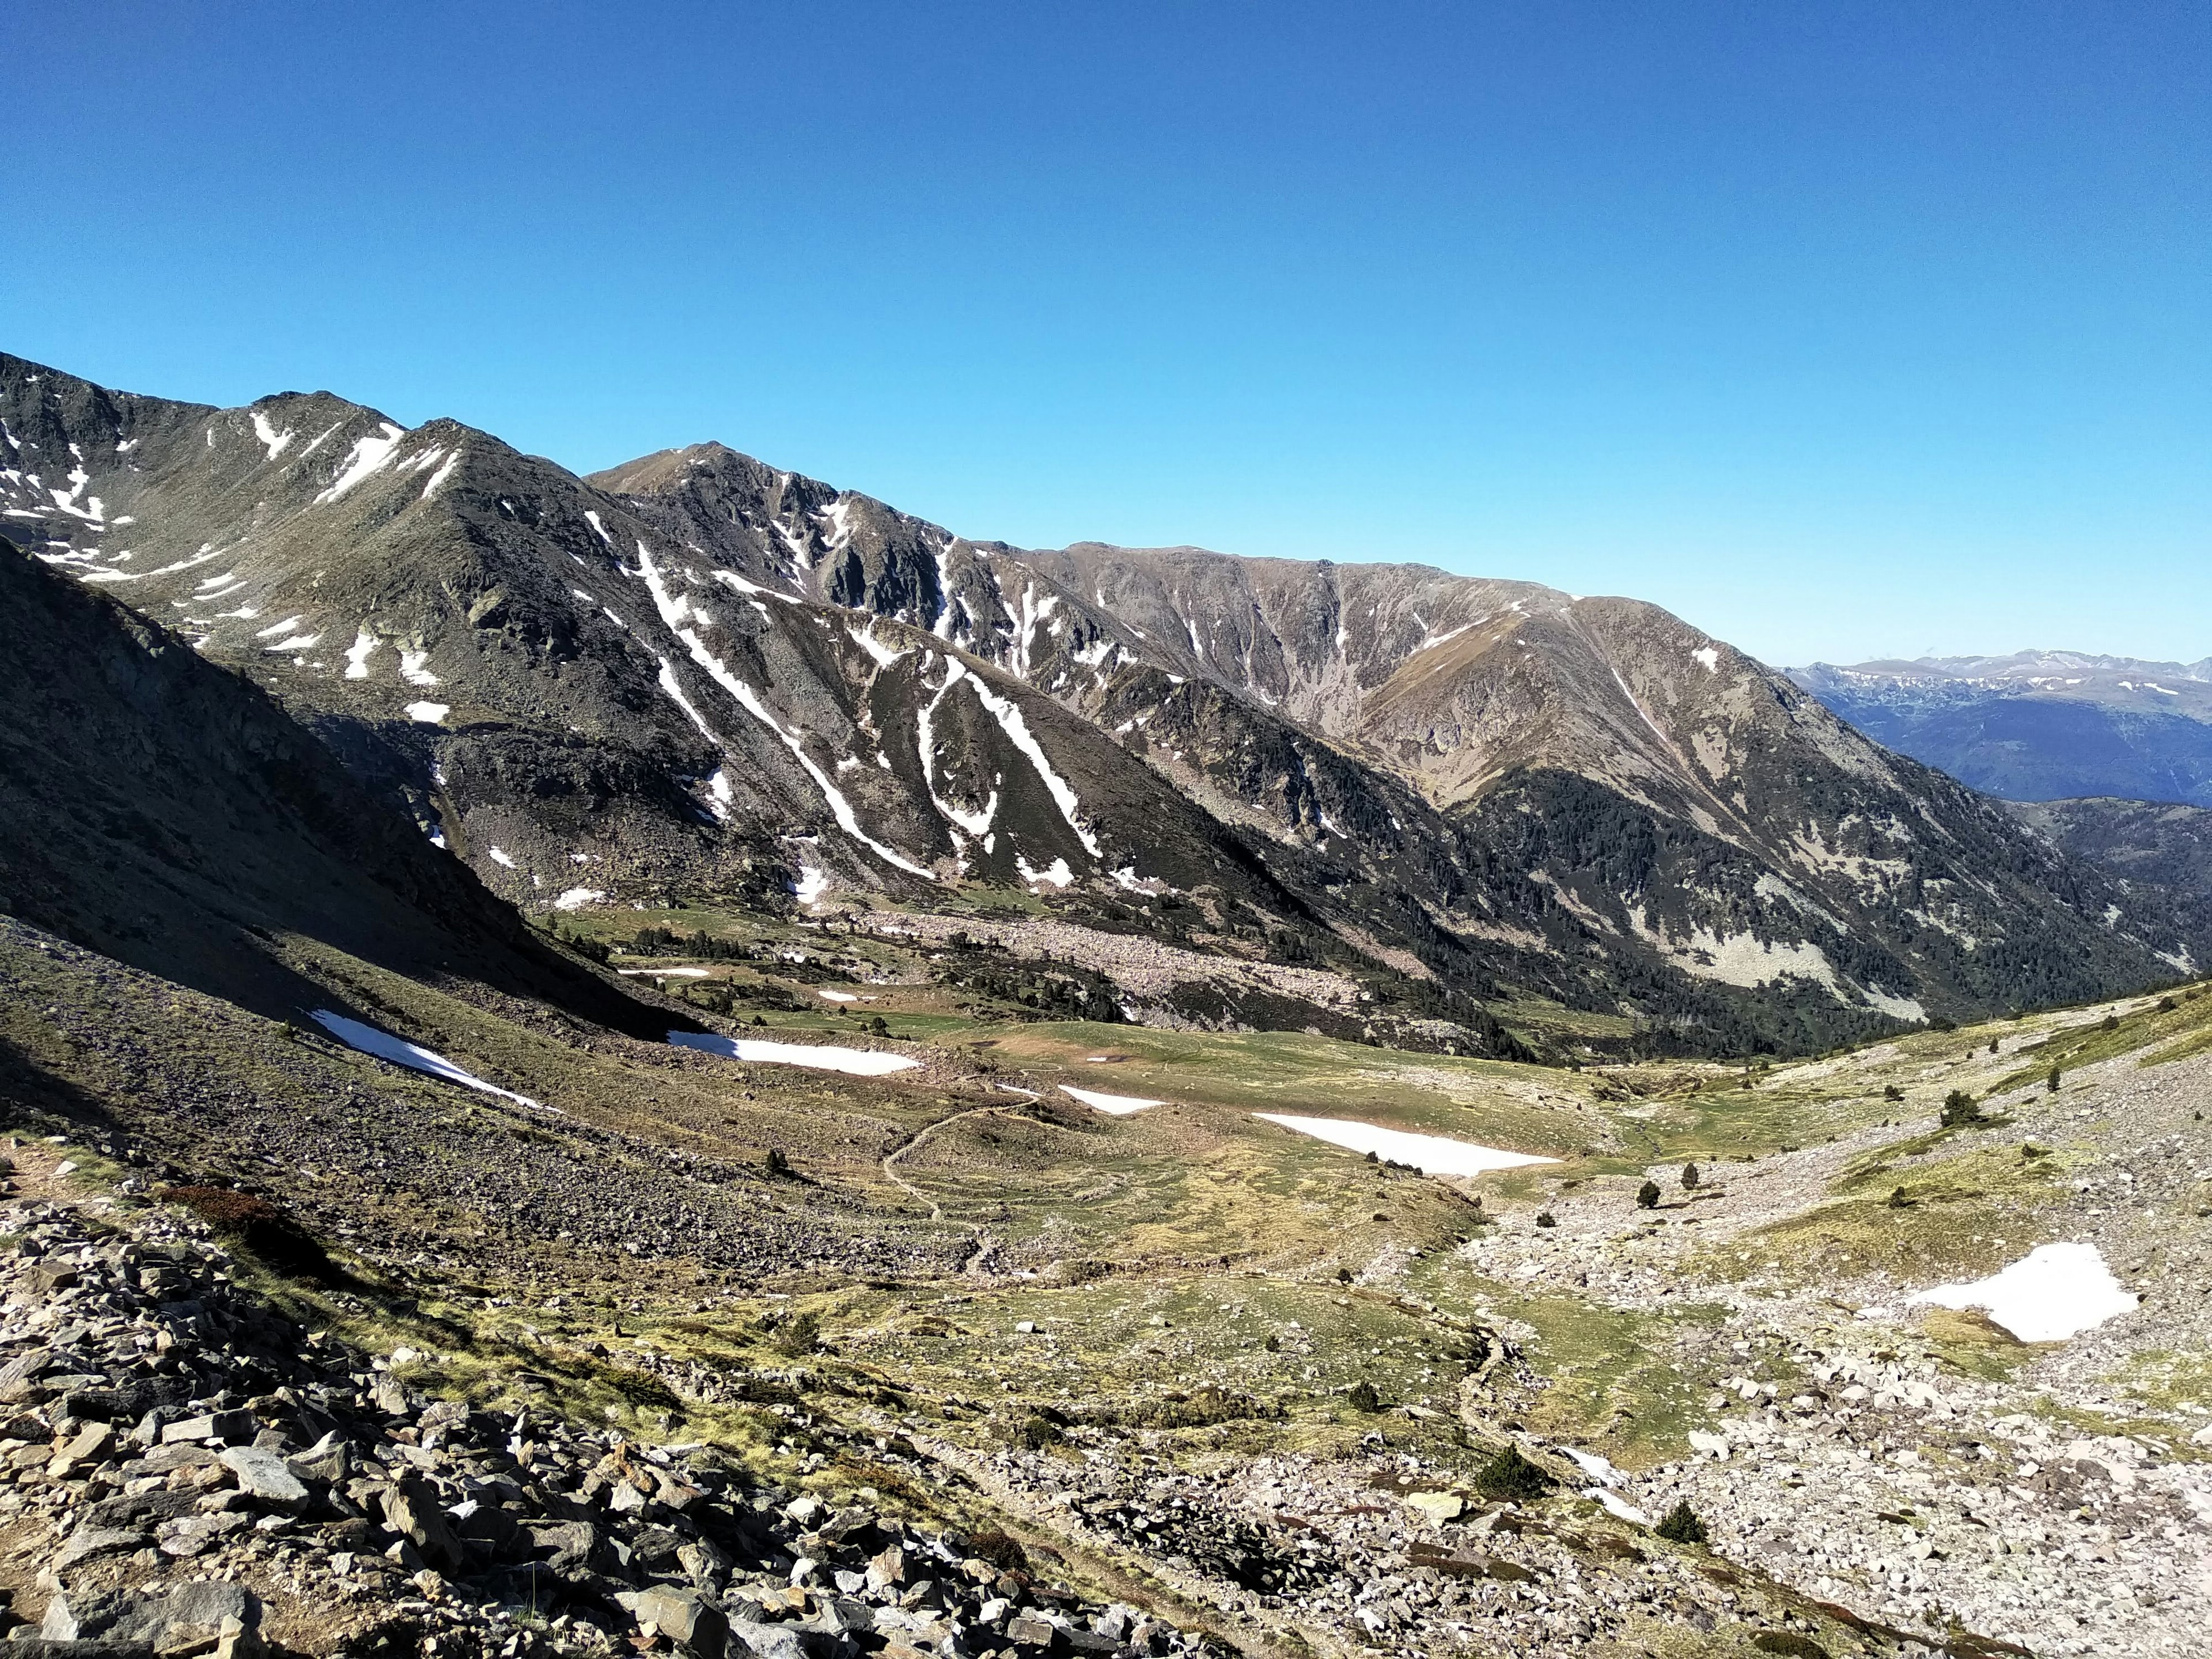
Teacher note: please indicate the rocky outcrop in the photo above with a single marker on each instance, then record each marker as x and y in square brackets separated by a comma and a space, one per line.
[208, 1477]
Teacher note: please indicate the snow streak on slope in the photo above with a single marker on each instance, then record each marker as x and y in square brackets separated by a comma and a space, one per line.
[1008, 713]
[400, 1052]
[976, 823]
[368, 457]
[674, 609]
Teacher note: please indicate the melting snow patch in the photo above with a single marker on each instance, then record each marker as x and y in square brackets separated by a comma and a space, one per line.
[269, 435]
[865, 638]
[501, 859]
[1598, 1469]
[1056, 874]
[368, 456]
[837, 996]
[441, 475]
[1710, 657]
[412, 671]
[753, 590]
[1008, 713]
[577, 897]
[2053, 1293]
[1114, 1105]
[673, 609]
[357, 654]
[370, 1041]
[1432, 1154]
[665, 973]
[859, 1063]
[428, 713]
[813, 884]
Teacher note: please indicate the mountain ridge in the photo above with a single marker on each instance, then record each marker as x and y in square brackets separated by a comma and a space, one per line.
[698, 674]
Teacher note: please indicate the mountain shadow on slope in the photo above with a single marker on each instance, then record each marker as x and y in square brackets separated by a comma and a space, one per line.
[161, 810]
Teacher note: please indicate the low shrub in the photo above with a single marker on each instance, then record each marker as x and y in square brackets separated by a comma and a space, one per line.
[1512, 1479]
[1682, 1526]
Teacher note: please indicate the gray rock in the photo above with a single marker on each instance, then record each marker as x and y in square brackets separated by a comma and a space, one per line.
[410, 1509]
[88, 1542]
[841, 1615]
[685, 1618]
[189, 1534]
[330, 1461]
[181, 1619]
[775, 1641]
[572, 1544]
[263, 1476]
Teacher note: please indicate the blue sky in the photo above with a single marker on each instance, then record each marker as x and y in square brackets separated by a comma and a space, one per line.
[1842, 330]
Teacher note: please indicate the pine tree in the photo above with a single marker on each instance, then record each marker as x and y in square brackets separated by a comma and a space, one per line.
[1682, 1525]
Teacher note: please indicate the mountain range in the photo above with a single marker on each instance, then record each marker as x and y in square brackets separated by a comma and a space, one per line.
[2038, 725]
[1514, 818]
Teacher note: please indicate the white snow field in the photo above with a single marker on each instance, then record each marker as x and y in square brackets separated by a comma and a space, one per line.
[400, 1052]
[860, 1062]
[1430, 1154]
[1117, 1105]
[2053, 1293]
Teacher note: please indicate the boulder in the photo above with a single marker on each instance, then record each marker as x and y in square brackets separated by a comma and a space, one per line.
[685, 1618]
[410, 1509]
[182, 1619]
[265, 1477]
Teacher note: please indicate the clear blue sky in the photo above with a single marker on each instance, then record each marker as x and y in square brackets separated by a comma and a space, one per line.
[1844, 330]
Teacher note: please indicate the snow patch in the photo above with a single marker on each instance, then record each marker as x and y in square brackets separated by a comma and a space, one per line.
[274, 440]
[576, 898]
[2053, 1293]
[428, 713]
[441, 475]
[866, 638]
[1710, 656]
[357, 655]
[370, 1041]
[368, 457]
[1432, 1154]
[412, 671]
[673, 609]
[1056, 874]
[1114, 1105]
[754, 590]
[1009, 715]
[858, 1062]
[501, 859]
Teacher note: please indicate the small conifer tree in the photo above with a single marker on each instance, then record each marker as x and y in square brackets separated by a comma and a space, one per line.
[1682, 1526]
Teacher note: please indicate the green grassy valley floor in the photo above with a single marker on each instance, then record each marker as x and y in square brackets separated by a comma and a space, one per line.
[1235, 1368]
